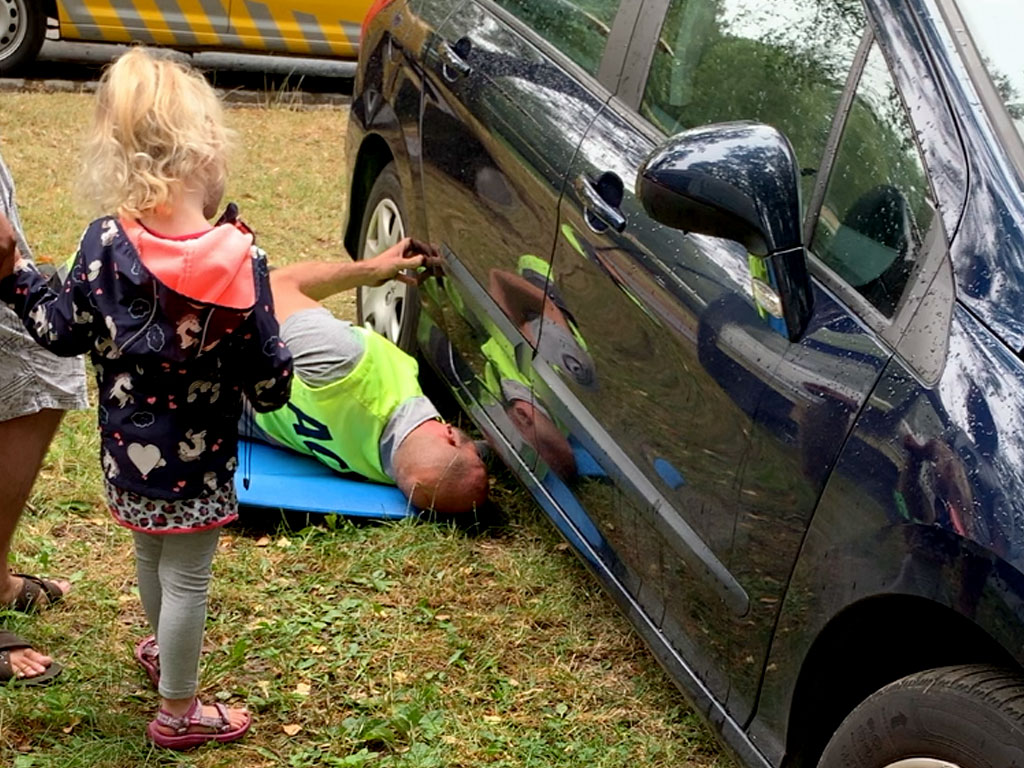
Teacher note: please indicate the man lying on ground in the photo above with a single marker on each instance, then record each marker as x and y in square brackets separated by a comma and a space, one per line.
[356, 403]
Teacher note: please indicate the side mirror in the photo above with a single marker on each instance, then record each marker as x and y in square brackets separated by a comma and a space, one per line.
[737, 181]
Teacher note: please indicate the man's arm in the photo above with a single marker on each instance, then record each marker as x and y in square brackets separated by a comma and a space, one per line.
[306, 284]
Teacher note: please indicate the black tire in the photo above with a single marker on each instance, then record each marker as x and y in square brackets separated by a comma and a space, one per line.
[22, 29]
[387, 189]
[970, 716]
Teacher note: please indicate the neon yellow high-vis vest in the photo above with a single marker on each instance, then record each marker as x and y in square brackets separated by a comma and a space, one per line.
[341, 423]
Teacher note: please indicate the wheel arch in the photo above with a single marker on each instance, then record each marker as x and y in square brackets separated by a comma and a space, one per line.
[374, 154]
[879, 640]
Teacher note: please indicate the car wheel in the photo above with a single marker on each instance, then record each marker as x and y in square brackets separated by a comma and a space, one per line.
[969, 716]
[22, 28]
[390, 309]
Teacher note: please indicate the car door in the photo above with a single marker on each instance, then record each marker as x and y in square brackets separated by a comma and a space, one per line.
[714, 431]
[503, 112]
[124, 21]
[314, 27]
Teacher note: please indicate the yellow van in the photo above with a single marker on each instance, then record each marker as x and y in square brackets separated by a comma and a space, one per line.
[299, 27]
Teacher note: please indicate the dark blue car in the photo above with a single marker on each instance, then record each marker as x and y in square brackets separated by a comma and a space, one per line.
[736, 288]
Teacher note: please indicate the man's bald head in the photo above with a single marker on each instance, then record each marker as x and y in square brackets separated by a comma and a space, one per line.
[437, 467]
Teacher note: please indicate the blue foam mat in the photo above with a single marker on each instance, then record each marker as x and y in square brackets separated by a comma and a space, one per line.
[281, 479]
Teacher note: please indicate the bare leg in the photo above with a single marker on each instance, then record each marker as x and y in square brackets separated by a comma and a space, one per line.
[23, 444]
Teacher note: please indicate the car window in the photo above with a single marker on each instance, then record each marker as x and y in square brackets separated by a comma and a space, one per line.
[578, 28]
[878, 205]
[783, 63]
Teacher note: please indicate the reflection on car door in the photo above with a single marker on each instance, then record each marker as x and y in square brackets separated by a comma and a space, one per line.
[713, 432]
[500, 122]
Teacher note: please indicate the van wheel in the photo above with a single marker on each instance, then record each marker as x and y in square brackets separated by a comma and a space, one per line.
[969, 716]
[22, 29]
[392, 309]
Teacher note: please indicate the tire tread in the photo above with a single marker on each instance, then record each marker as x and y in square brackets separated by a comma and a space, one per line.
[994, 692]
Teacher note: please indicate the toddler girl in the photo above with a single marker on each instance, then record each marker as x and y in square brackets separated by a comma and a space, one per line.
[178, 318]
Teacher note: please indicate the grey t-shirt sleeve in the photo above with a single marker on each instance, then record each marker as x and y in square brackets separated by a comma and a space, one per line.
[323, 347]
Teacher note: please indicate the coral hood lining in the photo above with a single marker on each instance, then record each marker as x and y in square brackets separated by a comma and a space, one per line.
[215, 267]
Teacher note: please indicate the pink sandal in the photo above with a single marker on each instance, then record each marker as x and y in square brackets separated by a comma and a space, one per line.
[194, 718]
[147, 653]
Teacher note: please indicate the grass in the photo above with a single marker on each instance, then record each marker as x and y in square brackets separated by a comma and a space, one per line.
[413, 644]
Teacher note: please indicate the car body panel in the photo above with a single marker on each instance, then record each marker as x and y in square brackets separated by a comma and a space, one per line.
[924, 503]
[744, 499]
[487, 152]
[735, 427]
[988, 258]
[302, 27]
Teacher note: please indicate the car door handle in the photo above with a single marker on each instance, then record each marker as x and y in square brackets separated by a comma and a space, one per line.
[453, 58]
[602, 200]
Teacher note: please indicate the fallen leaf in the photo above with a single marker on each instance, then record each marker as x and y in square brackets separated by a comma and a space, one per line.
[318, 649]
[303, 689]
[561, 547]
[442, 617]
[264, 685]
[71, 725]
[263, 541]
[283, 542]
[291, 728]
[492, 719]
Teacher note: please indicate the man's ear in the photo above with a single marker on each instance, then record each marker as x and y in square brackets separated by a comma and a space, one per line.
[521, 413]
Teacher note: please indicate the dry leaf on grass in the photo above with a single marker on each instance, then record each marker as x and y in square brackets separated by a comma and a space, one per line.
[291, 728]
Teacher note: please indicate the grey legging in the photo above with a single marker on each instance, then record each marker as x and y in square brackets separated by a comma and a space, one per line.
[174, 575]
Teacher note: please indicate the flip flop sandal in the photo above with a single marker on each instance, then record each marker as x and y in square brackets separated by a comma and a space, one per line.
[11, 642]
[32, 589]
[147, 654]
[182, 739]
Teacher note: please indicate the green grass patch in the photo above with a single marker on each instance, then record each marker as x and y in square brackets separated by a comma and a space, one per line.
[414, 644]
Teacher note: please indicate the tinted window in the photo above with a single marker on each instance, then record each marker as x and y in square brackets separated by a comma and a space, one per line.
[783, 63]
[878, 205]
[578, 28]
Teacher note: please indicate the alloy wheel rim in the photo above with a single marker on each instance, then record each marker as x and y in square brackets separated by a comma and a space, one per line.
[12, 26]
[382, 306]
[922, 762]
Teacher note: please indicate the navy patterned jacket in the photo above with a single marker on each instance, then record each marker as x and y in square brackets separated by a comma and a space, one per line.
[177, 330]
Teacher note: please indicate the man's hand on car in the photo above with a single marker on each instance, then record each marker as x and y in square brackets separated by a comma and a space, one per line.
[395, 262]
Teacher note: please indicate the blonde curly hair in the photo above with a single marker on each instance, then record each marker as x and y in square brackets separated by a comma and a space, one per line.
[158, 129]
